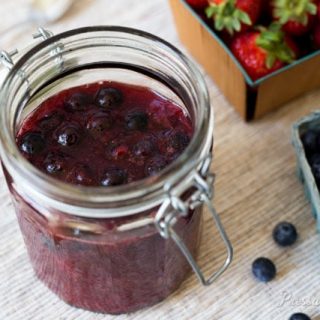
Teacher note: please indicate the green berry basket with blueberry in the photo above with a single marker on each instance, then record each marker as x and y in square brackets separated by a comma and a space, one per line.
[260, 53]
[306, 141]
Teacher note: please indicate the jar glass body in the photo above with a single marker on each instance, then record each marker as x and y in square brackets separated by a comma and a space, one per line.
[98, 248]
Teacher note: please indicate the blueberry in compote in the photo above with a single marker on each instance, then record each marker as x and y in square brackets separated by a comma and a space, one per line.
[114, 177]
[144, 148]
[137, 120]
[51, 121]
[80, 174]
[68, 134]
[55, 162]
[155, 165]
[178, 142]
[78, 101]
[109, 97]
[32, 143]
[100, 122]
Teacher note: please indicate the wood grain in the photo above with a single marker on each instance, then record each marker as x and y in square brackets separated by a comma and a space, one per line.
[256, 187]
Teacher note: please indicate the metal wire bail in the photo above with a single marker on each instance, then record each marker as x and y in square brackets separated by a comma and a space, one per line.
[6, 58]
[174, 207]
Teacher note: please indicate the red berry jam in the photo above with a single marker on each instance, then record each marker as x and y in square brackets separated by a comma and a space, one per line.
[104, 134]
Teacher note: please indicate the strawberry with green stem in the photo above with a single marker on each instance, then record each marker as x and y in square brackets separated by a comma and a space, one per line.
[296, 16]
[234, 15]
[264, 51]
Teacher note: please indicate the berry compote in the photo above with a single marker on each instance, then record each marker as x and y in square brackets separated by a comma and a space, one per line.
[104, 134]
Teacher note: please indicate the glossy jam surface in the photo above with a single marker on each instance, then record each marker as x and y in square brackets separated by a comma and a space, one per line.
[104, 134]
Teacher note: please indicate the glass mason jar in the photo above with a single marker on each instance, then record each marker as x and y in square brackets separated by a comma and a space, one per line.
[118, 249]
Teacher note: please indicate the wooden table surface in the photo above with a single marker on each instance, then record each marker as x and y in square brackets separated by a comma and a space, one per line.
[256, 187]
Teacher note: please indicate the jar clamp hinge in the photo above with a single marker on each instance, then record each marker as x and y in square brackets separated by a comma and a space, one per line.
[6, 58]
[174, 207]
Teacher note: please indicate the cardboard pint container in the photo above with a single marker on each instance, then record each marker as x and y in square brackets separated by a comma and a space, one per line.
[251, 99]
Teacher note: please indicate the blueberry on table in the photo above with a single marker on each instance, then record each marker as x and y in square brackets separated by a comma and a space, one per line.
[155, 165]
[310, 140]
[100, 122]
[264, 269]
[285, 234]
[137, 121]
[299, 316]
[68, 134]
[114, 177]
[109, 97]
[32, 143]
[79, 101]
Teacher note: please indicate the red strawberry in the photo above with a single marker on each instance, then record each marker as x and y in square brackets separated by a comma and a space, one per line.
[318, 11]
[263, 52]
[198, 4]
[297, 16]
[234, 15]
[316, 36]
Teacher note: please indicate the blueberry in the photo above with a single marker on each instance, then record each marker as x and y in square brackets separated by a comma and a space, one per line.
[109, 97]
[310, 140]
[55, 162]
[155, 165]
[51, 121]
[285, 234]
[100, 122]
[314, 161]
[68, 134]
[32, 143]
[79, 101]
[178, 142]
[299, 316]
[144, 148]
[114, 177]
[80, 174]
[264, 269]
[137, 121]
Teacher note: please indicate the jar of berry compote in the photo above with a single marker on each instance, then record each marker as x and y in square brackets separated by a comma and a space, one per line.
[106, 140]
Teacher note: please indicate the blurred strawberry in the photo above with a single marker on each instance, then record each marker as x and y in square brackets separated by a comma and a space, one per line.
[297, 16]
[234, 15]
[198, 4]
[316, 36]
[264, 51]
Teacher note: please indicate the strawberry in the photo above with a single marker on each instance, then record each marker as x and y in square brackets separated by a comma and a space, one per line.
[234, 15]
[316, 36]
[297, 16]
[264, 51]
[198, 4]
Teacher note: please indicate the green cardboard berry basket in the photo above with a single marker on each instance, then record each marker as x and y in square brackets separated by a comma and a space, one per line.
[304, 170]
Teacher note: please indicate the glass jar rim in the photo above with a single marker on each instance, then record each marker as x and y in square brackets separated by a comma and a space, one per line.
[146, 188]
